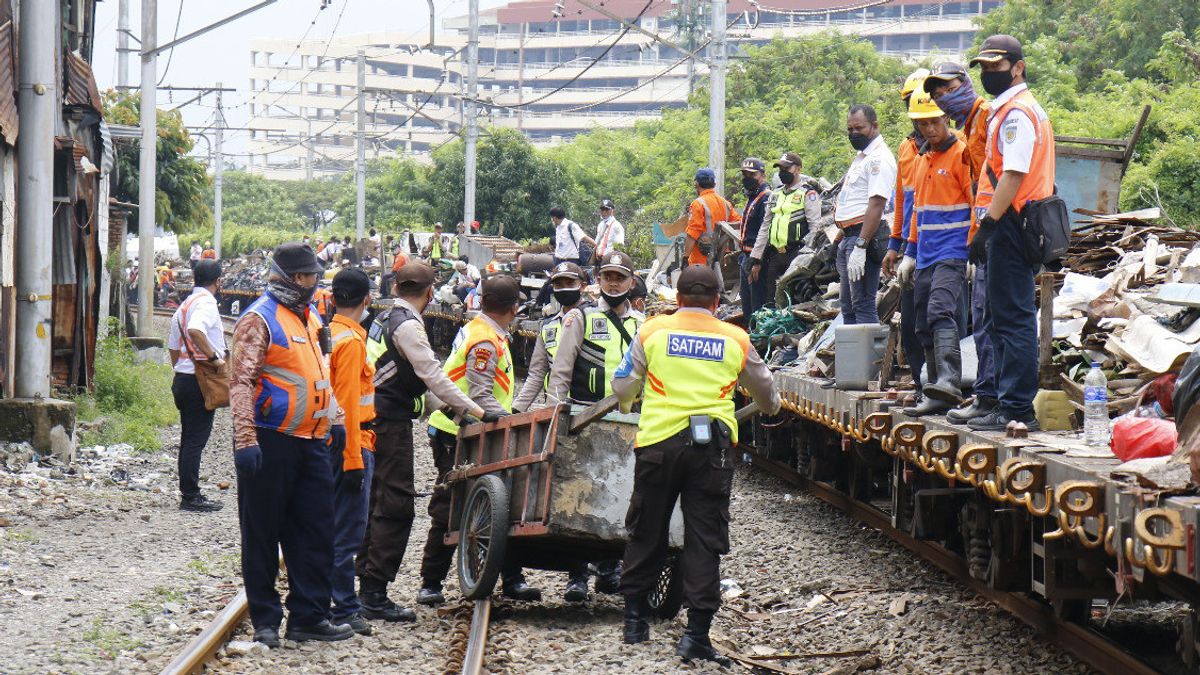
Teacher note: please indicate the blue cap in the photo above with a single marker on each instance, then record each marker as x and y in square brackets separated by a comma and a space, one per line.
[706, 173]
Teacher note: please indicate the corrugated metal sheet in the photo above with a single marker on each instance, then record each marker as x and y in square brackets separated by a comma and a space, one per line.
[81, 84]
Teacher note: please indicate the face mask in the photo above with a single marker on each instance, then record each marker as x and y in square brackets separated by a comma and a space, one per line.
[859, 141]
[957, 104]
[749, 184]
[786, 177]
[997, 82]
[567, 297]
[365, 313]
[614, 300]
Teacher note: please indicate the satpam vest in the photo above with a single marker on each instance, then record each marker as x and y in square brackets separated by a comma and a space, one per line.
[399, 393]
[476, 331]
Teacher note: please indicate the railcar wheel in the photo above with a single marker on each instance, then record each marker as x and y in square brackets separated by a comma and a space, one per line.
[667, 597]
[483, 537]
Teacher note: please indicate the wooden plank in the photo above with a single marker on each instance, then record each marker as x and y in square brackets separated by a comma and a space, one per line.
[1090, 141]
[1047, 374]
[594, 412]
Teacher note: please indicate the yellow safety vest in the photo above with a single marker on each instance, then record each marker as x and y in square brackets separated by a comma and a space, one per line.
[435, 249]
[600, 352]
[476, 331]
[693, 361]
[786, 203]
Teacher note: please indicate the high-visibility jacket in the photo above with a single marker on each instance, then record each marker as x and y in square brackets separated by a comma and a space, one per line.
[435, 247]
[323, 302]
[551, 329]
[705, 211]
[783, 231]
[906, 177]
[293, 393]
[600, 352]
[399, 392]
[942, 212]
[476, 331]
[352, 376]
[1039, 181]
[692, 365]
[975, 132]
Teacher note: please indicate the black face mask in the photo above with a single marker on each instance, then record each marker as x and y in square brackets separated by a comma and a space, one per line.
[567, 297]
[786, 177]
[860, 141]
[996, 82]
[615, 301]
[749, 184]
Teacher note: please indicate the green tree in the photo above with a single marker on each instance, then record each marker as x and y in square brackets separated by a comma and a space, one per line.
[397, 196]
[253, 201]
[180, 203]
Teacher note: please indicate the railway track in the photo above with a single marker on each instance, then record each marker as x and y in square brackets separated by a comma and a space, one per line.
[226, 321]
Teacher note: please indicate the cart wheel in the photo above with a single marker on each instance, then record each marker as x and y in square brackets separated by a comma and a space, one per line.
[483, 537]
[667, 596]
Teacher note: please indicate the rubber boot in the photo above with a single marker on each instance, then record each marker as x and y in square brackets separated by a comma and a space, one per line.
[637, 625]
[695, 643]
[980, 406]
[926, 405]
[949, 368]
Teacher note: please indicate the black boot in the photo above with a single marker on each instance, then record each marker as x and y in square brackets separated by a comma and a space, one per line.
[577, 589]
[948, 359]
[695, 643]
[981, 406]
[375, 604]
[926, 405]
[637, 626]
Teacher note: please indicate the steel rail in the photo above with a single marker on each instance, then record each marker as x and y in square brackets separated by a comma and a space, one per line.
[477, 641]
[1087, 645]
[204, 647]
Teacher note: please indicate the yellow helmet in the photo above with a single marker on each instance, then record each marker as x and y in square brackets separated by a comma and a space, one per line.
[914, 82]
[921, 106]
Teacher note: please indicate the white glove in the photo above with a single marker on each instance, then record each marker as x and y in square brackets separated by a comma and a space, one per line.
[905, 272]
[970, 271]
[856, 266]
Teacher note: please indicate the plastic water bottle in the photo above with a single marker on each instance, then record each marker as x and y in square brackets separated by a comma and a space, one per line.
[1095, 408]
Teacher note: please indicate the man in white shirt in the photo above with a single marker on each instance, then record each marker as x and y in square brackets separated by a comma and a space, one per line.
[196, 252]
[196, 334]
[610, 233]
[567, 235]
[861, 205]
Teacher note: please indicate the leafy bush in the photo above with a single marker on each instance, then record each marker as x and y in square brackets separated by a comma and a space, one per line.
[133, 398]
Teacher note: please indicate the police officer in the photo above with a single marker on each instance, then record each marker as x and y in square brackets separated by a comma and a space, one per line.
[691, 363]
[281, 403]
[1018, 169]
[405, 368]
[758, 193]
[793, 208]
[566, 280]
[481, 366]
[937, 251]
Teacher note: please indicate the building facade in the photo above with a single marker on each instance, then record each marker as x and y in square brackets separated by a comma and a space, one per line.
[551, 69]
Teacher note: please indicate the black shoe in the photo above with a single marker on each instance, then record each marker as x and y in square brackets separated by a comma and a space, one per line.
[998, 420]
[695, 643]
[637, 627]
[321, 632]
[982, 405]
[357, 624]
[577, 590]
[377, 606]
[431, 596]
[948, 364]
[519, 590]
[267, 636]
[608, 583]
[927, 406]
[200, 504]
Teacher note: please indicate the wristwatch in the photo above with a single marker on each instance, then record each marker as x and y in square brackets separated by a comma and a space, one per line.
[861, 243]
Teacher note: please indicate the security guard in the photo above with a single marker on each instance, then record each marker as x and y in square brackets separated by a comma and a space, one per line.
[937, 251]
[793, 208]
[758, 193]
[405, 368]
[705, 211]
[906, 170]
[481, 365]
[566, 280]
[281, 404]
[1018, 169]
[691, 363]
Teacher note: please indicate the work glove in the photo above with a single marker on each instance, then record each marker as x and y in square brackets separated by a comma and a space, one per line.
[352, 480]
[905, 271]
[248, 460]
[969, 275]
[978, 252]
[489, 416]
[337, 438]
[856, 266]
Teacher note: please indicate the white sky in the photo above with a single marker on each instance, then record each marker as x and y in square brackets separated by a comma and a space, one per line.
[224, 54]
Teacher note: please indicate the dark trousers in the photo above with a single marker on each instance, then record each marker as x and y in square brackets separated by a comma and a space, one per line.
[753, 296]
[775, 264]
[392, 496]
[937, 290]
[195, 427]
[664, 472]
[349, 528]
[1013, 320]
[914, 353]
[287, 503]
[985, 373]
[857, 297]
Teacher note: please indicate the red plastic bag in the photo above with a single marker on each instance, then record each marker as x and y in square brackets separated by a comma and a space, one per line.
[1139, 437]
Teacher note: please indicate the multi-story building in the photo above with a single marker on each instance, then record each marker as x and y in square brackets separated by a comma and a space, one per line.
[550, 68]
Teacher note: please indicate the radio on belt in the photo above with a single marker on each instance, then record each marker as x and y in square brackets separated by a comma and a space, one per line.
[701, 426]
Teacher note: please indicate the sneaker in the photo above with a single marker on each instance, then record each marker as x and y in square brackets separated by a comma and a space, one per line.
[267, 636]
[200, 504]
[430, 596]
[321, 632]
[577, 590]
[998, 420]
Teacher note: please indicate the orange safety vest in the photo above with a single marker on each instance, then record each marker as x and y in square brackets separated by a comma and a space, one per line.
[347, 364]
[323, 302]
[1039, 182]
[293, 394]
[974, 131]
[906, 179]
[942, 214]
[705, 211]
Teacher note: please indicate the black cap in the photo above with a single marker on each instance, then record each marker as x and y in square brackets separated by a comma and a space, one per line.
[350, 286]
[789, 159]
[296, 258]
[944, 72]
[698, 280]
[566, 270]
[206, 272]
[502, 289]
[753, 164]
[639, 289]
[414, 275]
[606, 204]
[999, 47]
[617, 261]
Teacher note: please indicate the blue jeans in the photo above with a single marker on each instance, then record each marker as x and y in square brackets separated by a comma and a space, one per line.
[1013, 323]
[752, 293]
[857, 297]
[349, 526]
[985, 371]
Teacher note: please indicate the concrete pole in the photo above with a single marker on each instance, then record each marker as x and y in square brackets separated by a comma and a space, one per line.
[147, 167]
[716, 101]
[218, 178]
[360, 163]
[38, 102]
[470, 111]
[123, 45]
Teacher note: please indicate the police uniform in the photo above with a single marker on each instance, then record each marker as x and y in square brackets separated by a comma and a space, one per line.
[753, 216]
[791, 211]
[691, 364]
[537, 376]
